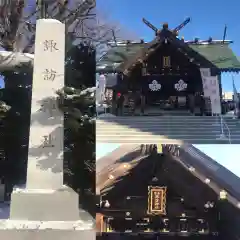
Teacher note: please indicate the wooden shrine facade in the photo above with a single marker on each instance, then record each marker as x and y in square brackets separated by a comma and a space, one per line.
[152, 190]
[167, 68]
[168, 71]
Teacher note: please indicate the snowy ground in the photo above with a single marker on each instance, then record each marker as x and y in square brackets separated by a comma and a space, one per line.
[231, 113]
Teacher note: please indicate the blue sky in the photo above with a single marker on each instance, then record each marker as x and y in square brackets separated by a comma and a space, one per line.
[208, 19]
[226, 155]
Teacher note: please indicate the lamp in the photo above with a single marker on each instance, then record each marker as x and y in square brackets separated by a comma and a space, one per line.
[207, 180]
[125, 165]
[111, 176]
[223, 195]
[107, 204]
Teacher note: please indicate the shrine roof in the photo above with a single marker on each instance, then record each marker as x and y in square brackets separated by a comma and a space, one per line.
[111, 168]
[216, 52]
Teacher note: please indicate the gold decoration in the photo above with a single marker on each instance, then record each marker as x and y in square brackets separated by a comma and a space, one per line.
[156, 200]
[108, 226]
[159, 148]
[166, 61]
[223, 195]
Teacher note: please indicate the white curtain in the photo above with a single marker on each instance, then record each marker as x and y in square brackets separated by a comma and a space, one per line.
[205, 72]
[100, 92]
[211, 89]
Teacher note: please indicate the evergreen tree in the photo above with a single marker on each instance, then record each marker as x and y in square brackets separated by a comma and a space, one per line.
[77, 101]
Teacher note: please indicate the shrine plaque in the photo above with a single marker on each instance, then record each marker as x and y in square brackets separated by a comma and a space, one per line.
[156, 200]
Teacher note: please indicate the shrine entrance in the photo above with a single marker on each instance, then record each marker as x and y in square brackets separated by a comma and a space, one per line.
[168, 92]
[163, 94]
[168, 79]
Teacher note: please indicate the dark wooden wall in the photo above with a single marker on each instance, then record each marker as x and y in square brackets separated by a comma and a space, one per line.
[181, 185]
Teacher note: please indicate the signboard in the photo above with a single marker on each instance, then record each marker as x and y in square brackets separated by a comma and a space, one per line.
[156, 200]
[211, 89]
[205, 72]
[214, 93]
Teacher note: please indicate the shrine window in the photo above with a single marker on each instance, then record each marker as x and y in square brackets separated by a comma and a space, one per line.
[166, 61]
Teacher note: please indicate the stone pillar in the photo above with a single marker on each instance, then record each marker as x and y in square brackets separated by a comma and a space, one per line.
[46, 203]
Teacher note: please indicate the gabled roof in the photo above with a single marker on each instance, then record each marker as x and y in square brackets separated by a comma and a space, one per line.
[113, 164]
[192, 159]
[123, 56]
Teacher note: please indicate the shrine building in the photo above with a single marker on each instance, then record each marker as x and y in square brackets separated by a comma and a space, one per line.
[167, 69]
[166, 190]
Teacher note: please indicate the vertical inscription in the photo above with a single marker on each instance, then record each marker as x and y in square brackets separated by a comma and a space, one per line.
[50, 45]
[156, 200]
[47, 141]
[49, 75]
[166, 61]
[49, 105]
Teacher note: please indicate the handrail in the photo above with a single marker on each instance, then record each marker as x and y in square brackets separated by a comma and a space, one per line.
[223, 123]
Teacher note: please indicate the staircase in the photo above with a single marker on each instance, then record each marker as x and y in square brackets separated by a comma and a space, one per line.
[154, 111]
[168, 129]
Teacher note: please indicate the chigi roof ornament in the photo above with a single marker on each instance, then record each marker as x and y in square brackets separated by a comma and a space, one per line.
[165, 26]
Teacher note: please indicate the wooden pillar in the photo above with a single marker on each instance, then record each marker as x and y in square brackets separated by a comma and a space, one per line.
[144, 69]
[220, 89]
[114, 102]
[116, 89]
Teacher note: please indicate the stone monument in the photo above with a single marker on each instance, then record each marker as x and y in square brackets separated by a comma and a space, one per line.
[46, 209]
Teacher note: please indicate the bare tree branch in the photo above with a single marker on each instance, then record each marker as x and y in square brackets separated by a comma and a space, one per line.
[84, 25]
[17, 25]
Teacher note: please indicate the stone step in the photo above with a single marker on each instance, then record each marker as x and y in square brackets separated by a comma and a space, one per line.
[140, 118]
[206, 137]
[147, 118]
[157, 139]
[157, 114]
[168, 129]
[166, 133]
[139, 128]
[140, 125]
